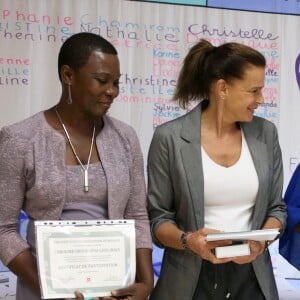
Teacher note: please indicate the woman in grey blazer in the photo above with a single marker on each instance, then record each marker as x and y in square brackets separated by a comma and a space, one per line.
[218, 168]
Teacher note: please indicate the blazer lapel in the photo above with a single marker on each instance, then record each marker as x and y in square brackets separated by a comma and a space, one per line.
[192, 162]
[259, 155]
[115, 166]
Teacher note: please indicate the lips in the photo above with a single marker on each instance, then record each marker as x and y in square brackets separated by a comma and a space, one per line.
[106, 106]
[105, 103]
[253, 108]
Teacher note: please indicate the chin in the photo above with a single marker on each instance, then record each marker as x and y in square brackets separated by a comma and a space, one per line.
[99, 113]
[249, 119]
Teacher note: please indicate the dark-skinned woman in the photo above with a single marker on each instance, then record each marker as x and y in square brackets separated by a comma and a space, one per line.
[73, 162]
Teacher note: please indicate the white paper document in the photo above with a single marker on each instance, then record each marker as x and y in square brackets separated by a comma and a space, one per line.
[254, 235]
[232, 251]
[93, 257]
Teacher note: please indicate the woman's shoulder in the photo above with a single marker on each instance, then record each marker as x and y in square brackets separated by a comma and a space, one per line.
[174, 127]
[263, 123]
[25, 128]
[16, 137]
[122, 129]
[262, 129]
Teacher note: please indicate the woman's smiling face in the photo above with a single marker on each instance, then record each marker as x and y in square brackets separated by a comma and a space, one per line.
[244, 95]
[96, 84]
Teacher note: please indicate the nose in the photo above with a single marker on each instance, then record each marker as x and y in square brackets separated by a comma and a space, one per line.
[260, 98]
[112, 90]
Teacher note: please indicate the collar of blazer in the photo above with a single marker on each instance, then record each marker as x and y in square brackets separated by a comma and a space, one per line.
[191, 123]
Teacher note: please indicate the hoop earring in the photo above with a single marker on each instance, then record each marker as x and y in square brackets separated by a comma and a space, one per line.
[70, 100]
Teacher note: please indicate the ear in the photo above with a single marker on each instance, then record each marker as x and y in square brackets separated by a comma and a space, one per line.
[66, 74]
[221, 87]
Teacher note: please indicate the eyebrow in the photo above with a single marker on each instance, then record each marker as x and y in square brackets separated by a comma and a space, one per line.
[102, 73]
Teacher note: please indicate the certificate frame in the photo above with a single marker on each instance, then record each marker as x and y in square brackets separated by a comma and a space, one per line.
[93, 257]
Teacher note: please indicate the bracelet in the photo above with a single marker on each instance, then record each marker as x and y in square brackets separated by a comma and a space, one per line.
[183, 240]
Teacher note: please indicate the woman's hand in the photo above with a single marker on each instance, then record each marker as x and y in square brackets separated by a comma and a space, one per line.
[79, 296]
[141, 289]
[136, 291]
[256, 249]
[196, 242]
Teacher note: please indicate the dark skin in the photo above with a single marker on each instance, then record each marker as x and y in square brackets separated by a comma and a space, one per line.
[144, 281]
[93, 89]
[24, 266]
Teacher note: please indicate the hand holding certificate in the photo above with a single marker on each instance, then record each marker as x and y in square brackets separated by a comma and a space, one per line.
[240, 249]
[254, 235]
[93, 257]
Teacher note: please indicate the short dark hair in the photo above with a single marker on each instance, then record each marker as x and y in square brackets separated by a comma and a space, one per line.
[76, 50]
[206, 63]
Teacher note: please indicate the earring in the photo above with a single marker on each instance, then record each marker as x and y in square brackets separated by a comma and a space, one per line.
[70, 101]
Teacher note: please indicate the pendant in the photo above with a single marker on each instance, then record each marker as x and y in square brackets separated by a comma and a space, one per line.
[86, 181]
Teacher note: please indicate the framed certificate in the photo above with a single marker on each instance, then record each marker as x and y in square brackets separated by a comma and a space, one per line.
[93, 257]
[254, 235]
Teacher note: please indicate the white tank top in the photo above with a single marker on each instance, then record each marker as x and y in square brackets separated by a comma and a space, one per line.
[230, 193]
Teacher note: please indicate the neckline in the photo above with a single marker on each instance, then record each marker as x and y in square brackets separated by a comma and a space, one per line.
[61, 134]
[235, 163]
[84, 167]
[78, 166]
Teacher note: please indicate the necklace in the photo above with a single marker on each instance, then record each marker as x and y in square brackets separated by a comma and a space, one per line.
[85, 169]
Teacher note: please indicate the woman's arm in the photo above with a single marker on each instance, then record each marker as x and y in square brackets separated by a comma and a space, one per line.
[25, 267]
[136, 205]
[160, 198]
[143, 286]
[12, 187]
[136, 209]
[169, 235]
[276, 214]
[272, 223]
[144, 274]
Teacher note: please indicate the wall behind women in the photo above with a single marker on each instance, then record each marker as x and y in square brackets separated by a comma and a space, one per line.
[151, 48]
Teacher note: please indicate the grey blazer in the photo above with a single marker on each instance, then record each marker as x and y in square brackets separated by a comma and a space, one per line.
[175, 194]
